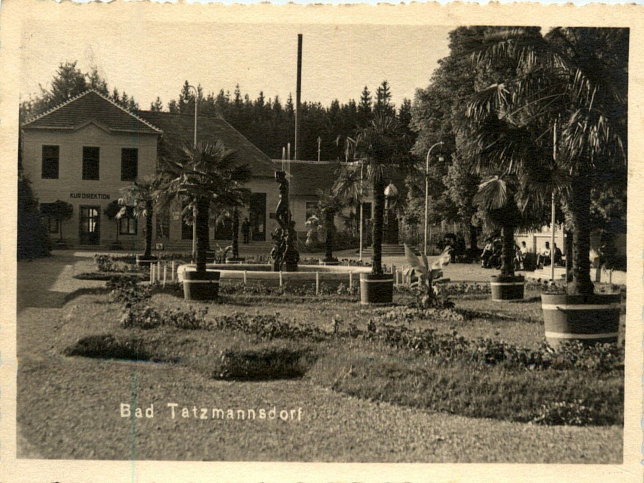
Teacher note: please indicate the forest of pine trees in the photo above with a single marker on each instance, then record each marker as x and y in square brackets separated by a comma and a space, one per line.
[270, 124]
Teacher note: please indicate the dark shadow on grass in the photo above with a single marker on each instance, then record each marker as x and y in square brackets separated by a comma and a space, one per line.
[84, 291]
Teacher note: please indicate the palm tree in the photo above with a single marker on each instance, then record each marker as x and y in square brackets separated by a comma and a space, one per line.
[329, 204]
[497, 197]
[206, 174]
[380, 146]
[348, 186]
[141, 198]
[572, 81]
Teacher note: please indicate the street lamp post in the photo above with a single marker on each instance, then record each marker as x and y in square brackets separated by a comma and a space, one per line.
[194, 143]
[427, 191]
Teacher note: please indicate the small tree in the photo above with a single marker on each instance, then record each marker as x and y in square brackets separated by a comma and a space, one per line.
[497, 197]
[141, 197]
[381, 146]
[329, 204]
[114, 212]
[60, 211]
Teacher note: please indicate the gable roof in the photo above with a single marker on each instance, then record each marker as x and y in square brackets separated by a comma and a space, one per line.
[91, 107]
[178, 131]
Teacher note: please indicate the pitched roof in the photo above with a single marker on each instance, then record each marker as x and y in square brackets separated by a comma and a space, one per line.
[309, 176]
[88, 107]
[178, 131]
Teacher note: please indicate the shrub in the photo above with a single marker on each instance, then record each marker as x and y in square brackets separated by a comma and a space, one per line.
[262, 363]
[573, 413]
[106, 346]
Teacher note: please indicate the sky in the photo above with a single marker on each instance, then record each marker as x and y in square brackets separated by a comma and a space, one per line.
[151, 59]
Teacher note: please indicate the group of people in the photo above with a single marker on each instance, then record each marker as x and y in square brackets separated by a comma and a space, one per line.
[524, 260]
[544, 258]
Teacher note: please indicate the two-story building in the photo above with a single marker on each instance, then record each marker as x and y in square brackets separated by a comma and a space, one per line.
[89, 150]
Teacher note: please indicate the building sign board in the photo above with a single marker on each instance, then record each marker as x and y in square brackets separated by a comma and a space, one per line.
[90, 196]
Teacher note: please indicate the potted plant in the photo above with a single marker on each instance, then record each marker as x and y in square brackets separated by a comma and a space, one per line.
[579, 94]
[380, 146]
[422, 275]
[204, 175]
[496, 196]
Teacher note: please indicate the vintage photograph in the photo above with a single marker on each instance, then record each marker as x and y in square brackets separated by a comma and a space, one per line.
[313, 242]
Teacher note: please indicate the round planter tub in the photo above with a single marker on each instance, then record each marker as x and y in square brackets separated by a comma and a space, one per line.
[585, 318]
[376, 289]
[200, 285]
[507, 288]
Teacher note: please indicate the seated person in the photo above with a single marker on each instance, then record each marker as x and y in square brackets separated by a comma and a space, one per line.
[543, 259]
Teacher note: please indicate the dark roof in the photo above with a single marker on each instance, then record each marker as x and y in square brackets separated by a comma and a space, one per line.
[309, 176]
[90, 106]
[178, 131]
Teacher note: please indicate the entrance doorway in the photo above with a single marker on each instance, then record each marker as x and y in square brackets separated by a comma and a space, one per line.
[90, 225]
[257, 216]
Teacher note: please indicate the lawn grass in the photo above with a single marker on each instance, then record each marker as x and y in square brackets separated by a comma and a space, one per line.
[408, 408]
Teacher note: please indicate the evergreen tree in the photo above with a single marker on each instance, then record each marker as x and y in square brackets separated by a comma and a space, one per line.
[383, 100]
[157, 105]
[364, 108]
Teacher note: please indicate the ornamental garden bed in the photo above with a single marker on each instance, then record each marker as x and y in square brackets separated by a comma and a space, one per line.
[480, 360]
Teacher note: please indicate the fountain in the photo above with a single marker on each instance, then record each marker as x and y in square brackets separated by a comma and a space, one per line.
[284, 257]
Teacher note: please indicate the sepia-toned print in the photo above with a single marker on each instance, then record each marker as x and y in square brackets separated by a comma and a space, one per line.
[321, 242]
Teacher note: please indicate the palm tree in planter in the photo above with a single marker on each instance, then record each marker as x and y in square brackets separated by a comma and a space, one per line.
[573, 82]
[381, 146]
[204, 175]
[497, 196]
[141, 198]
[329, 204]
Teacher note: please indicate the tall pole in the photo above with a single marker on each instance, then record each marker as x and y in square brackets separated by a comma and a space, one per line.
[427, 192]
[194, 210]
[361, 208]
[552, 217]
[298, 96]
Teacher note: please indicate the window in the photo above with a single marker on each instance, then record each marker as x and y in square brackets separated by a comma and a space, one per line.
[129, 164]
[90, 162]
[49, 162]
[163, 226]
[127, 225]
[311, 208]
[51, 223]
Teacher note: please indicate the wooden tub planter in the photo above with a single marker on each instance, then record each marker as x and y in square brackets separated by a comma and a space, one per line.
[200, 285]
[585, 318]
[504, 287]
[376, 289]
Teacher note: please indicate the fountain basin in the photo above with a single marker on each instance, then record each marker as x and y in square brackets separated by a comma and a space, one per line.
[330, 274]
